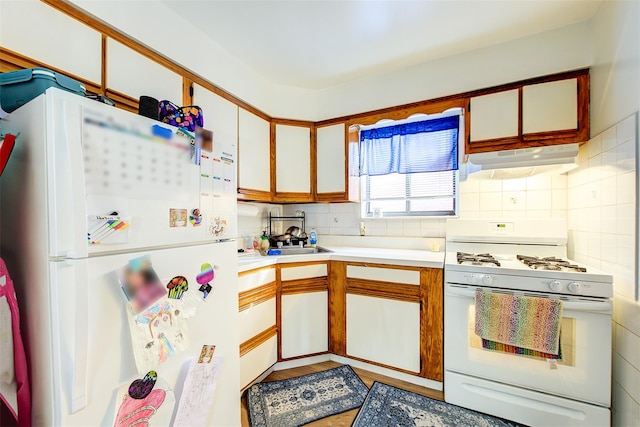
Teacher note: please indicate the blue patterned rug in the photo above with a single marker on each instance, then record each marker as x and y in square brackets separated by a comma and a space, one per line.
[297, 401]
[389, 406]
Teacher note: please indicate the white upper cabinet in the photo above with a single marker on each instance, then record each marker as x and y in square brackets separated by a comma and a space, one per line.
[293, 159]
[36, 30]
[550, 106]
[494, 115]
[220, 115]
[254, 141]
[331, 160]
[133, 74]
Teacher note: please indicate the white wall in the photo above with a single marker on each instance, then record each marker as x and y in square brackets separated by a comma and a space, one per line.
[615, 73]
[254, 225]
[615, 95]
[550, 52]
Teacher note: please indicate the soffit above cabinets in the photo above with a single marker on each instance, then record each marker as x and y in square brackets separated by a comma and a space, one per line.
[316, 44]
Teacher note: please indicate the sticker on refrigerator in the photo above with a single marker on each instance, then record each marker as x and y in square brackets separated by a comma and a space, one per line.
[140, 283]
[146, 401]
[217, 225]
[108, 229]
[158, 333]
[177, 218]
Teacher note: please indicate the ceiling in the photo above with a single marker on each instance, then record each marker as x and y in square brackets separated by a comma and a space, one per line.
[320, 43]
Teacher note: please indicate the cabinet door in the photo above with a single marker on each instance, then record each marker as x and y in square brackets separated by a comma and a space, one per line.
[254, 153]
[255, 362]
[384, 331]
[330, 149]
[494, 116]
[39, 31]
[550, 106]
[304, 324]
[220, 115]
[132, 74]
[293, 162]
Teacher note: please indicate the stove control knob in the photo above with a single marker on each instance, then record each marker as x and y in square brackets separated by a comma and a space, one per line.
[487, 280]
[473, 278]
[555, 286]
[574, 287]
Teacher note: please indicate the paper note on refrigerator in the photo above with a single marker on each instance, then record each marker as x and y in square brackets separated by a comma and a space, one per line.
[198, 392]
[154, 409]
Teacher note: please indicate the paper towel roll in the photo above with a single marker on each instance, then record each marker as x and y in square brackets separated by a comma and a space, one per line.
[245, 209]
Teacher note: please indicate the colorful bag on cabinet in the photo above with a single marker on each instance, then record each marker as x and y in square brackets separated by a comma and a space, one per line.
[183, 117]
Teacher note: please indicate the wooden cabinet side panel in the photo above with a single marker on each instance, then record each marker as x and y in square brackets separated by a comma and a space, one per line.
[431, 323]
[337, 308]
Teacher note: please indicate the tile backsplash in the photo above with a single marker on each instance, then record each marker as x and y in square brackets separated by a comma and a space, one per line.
[535, 197]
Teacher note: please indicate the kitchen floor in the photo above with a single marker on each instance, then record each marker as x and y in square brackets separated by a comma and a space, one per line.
[346, 418]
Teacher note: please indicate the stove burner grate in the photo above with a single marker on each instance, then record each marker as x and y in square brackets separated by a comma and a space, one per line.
[477, 259]
[549, 263]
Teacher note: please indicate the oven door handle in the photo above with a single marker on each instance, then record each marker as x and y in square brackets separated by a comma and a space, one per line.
[603, 306]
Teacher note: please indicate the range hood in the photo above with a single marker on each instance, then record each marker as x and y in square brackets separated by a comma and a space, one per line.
[521, 163]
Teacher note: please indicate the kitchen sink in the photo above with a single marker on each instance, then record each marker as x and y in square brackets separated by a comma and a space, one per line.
[297, 250]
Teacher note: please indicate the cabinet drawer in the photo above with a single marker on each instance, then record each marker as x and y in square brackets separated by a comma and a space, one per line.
[303, 272]
[256, 319]
[409, 277]
[253, 279]
[257, 361]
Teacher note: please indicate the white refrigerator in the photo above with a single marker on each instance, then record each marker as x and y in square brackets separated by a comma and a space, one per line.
[90, 191]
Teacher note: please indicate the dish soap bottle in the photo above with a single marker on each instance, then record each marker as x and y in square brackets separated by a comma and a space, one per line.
[264, 241]
[313, 238]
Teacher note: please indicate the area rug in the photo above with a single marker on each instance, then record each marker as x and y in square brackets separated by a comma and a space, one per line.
[389, 406]
[297, 401]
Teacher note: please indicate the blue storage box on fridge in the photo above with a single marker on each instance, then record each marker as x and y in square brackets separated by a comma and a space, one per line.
[19, 87]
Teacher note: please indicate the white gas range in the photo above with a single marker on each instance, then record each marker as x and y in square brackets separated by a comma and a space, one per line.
[526, 257]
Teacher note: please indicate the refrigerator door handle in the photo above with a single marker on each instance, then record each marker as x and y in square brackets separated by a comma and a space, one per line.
[79, 387]
[70, 329]
[67, 185]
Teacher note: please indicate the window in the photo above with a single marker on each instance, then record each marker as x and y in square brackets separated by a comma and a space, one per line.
[410, 168]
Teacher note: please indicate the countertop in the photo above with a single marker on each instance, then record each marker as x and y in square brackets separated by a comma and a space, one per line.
[408, 257]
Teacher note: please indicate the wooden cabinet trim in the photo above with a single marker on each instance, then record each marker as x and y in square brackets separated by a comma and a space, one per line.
[302, 356]
[305, 286]
[431, 323]
[254, 195]
[332, 197]
[389, 266]
[382, 365]
[386, 290]
[255, 270]
[256, 295]
[258, 340]
[302, 264]
[338, 308]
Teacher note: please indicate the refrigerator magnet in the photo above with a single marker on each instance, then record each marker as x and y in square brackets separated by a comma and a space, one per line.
[195, 218]
[177, 218]
[177, 287]
[206, 275]
[140, 283]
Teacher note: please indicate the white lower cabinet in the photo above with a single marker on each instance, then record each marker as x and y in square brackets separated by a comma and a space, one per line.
[257, 361]
[384, 331]
[305, 324]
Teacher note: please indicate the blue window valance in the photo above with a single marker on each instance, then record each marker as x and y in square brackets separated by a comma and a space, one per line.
[414, 147]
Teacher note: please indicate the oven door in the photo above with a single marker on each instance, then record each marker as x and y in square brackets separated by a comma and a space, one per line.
[583, 373]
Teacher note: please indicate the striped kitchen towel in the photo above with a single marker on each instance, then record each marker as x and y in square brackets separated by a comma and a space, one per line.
[520, 351]
[527, 322]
